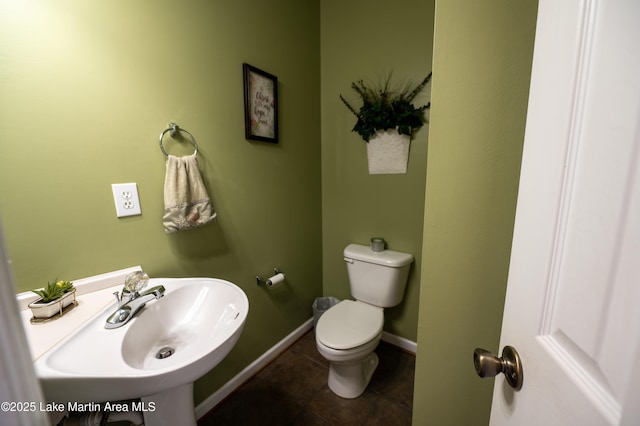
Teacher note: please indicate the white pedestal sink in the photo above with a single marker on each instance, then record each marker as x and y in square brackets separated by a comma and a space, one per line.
[194, 326]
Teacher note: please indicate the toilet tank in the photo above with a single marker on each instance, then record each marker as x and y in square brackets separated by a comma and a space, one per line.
[377, 278]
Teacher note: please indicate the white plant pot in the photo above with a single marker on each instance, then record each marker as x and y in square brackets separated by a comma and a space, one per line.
[47, 310]
[388, 152]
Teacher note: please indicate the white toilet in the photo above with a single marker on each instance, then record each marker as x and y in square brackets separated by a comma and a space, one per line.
[348, 332]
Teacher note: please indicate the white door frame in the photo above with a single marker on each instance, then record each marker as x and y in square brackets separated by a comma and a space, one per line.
[20, 393]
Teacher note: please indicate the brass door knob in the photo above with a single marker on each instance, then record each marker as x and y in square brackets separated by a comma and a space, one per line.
[489, 365]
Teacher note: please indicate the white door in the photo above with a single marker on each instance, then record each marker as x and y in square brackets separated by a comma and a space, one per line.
[573, 299]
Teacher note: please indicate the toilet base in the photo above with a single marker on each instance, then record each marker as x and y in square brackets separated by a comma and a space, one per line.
[350, 379]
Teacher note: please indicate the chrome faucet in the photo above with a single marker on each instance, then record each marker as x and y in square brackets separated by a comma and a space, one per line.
[130, 308]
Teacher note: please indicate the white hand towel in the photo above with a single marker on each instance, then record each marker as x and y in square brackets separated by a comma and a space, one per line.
[186, 202]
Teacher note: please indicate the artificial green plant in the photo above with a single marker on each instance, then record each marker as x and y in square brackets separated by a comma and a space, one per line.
[384, 108]
[54, 290]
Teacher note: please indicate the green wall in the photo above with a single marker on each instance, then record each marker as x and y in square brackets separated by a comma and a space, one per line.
[87, 87]
[368, 40]
[482, 64]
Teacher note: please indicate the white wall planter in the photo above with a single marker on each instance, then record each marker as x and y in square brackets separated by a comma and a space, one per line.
[388, 152]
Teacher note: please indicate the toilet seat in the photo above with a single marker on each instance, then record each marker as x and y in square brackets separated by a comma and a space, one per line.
[349, 324]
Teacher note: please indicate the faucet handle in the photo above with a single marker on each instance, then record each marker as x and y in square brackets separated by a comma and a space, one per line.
[136, 281]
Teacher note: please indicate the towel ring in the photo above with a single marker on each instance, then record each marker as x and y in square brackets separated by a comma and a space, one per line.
[174, 129]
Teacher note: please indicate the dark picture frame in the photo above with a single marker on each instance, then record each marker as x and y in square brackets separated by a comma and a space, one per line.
[260, 104]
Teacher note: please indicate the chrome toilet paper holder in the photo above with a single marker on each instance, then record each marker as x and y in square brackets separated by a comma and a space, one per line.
[260, 280]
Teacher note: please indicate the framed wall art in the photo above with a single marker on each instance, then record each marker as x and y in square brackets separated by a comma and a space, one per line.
[260, 104]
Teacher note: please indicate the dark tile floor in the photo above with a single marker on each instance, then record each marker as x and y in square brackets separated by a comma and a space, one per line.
[293, 390]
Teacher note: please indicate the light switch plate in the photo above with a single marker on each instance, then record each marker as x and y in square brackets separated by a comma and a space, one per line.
[125, 195]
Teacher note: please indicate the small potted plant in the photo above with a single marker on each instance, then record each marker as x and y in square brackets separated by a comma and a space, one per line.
[54, 297]
[386, 121]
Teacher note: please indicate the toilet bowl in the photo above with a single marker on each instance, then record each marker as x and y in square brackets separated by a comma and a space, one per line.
[348, 333]
[346, 336]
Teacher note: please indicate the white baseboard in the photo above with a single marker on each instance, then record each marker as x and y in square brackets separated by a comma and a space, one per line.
[252, 369]
[401, 342]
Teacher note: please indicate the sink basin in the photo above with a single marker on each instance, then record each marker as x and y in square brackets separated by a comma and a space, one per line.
[170, 343]
[190, 320]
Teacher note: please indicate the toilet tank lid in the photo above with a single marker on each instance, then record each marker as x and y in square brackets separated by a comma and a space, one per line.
[390, 258]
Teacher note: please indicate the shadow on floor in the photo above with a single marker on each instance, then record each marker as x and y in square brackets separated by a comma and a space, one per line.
[292, 390]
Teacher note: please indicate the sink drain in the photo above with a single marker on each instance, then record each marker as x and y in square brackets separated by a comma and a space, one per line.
[165, 352]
